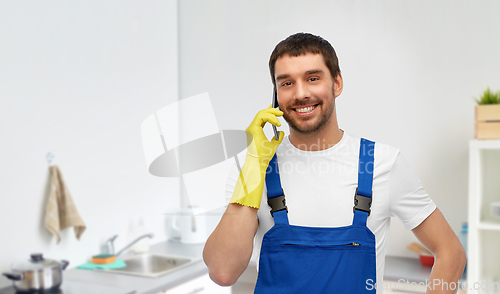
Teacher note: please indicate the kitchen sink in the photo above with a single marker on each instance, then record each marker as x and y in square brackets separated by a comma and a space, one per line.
[151, 265]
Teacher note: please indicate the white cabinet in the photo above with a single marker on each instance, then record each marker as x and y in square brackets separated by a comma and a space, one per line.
[200, 285]
[483, 262]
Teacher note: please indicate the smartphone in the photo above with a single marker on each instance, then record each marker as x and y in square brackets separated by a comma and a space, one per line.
[275, 105]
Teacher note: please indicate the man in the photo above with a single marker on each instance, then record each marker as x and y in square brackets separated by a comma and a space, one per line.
[320, 174]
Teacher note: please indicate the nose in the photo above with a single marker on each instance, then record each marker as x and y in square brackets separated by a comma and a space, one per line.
[301, 90]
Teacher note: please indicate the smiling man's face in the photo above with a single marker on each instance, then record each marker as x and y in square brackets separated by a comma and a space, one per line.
[306, 91]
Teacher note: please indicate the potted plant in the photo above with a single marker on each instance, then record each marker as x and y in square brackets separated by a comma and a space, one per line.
[488, 115]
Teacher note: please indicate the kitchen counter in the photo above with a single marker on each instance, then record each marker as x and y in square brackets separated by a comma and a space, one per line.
[408, 269]
[71, 287]
[79, 281]
[405, 268]
[145, 285]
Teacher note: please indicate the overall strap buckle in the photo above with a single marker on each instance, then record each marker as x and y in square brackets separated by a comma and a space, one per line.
[277, 203]
[275, 194]
[362, 203]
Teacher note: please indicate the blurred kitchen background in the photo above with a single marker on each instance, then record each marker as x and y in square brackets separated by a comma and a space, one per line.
[78, 78]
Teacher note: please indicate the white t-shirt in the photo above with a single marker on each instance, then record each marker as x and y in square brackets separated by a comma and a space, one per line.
[319, 190]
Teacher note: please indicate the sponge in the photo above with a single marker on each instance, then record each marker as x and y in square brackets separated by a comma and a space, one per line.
[92, 266]
[103, 259]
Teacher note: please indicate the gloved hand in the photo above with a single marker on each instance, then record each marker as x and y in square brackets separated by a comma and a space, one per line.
[260, 151]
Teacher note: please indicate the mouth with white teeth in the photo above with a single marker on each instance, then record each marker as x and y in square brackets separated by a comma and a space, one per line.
[305, 110]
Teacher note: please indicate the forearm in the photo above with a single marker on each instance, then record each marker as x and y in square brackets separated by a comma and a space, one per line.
[229, 248]
[447, 270]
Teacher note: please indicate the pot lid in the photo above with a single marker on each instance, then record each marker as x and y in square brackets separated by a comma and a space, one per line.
[37, 262]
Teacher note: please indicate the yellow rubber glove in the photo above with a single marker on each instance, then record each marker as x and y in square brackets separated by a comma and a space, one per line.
[260, 151]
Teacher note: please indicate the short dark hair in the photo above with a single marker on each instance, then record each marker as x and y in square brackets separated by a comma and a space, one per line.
[302, 43]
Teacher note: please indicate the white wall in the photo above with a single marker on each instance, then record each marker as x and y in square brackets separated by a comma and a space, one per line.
[77, 78]
[410, 68]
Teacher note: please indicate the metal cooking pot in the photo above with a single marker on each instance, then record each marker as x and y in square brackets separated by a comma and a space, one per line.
[37, 274]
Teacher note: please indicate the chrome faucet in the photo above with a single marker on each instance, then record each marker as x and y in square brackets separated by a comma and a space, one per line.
[109, 246]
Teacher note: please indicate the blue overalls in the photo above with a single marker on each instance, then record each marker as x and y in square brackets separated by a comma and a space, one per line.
[296, 259]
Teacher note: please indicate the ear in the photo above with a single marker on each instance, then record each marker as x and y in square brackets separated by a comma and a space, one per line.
[338, 85]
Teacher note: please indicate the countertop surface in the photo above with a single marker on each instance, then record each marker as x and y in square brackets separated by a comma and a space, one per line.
[409, 269]
[71, 287]
[405, 268]
[146, 285]
[80, 281]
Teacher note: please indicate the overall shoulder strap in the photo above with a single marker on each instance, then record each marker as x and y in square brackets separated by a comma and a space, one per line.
[275, 193]
[363, 195]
